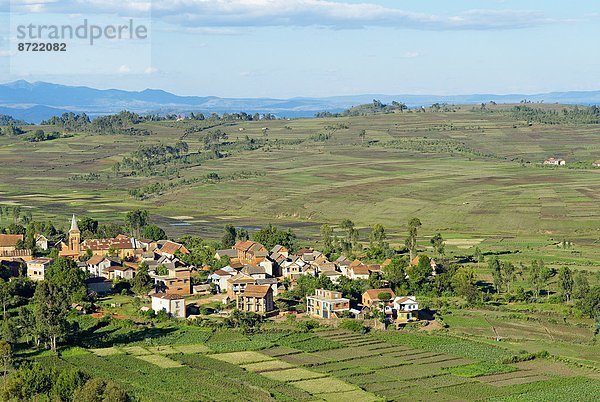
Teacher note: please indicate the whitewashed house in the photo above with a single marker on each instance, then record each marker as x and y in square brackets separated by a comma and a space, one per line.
[173, 305]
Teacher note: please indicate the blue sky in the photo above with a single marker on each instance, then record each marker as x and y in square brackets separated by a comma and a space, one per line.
[287, 48]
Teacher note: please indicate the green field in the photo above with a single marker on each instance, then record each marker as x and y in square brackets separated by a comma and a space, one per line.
[385, 366]
[475, 177]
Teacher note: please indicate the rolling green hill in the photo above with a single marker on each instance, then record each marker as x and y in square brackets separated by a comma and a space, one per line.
[473, 174]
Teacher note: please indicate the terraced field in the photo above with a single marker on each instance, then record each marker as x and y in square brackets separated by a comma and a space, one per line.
[339, 366]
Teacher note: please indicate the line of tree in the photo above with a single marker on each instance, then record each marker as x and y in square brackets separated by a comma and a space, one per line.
[376, 107]
[575, 115]
[6, 120]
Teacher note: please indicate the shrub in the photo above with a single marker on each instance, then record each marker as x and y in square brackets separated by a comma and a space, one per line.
[523, 357]
[307, 325]
[354, 325]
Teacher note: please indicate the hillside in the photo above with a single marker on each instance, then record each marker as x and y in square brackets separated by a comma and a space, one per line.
[476, 176]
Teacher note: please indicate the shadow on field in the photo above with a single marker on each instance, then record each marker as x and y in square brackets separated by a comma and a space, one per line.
[427, 314]
[104, 335]
[486, 287]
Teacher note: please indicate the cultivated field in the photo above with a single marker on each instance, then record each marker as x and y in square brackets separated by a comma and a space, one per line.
[347, 367]
[473, 176]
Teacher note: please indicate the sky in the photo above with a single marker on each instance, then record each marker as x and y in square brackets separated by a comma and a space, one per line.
[315, 48]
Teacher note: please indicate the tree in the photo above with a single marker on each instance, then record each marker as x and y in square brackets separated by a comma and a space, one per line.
[98, 390]
[10, 332]
[87, 224]
[496, 267]
[463, 283]
[379, 248]
[249, 322]
[384, 297]
[229, 236]
[509, 273]
[327, 238]
[350, 241]
[565, 277]
[590, 303]
[419, 274]
[545, 276]
[270, 236]
[51, 309]
[535, 277]
[352, 289]
[65, 274]
[109, 230]
[162, 270]
[136, 220]
[411, 240]
[581, 286]
[30, 382]
[154, 232]
[141, 283]
[112, 393]
[242, 234]
[6, 296]
[394, 273]
[5, 358]
[362, 135]
[16, 211]
[437, 242]
[66, 383]
[479, 257]
[29, 328]
[377, 237]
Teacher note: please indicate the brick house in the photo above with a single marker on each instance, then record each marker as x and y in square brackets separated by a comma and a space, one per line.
[250, 252]
[371, 296]
[256, 299]
[178, 281]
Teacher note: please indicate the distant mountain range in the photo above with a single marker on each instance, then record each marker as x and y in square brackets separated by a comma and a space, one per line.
[37, 101]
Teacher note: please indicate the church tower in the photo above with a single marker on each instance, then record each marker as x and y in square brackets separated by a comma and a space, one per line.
[74, 236]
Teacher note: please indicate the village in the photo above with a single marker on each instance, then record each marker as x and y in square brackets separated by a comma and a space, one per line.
[250, 277]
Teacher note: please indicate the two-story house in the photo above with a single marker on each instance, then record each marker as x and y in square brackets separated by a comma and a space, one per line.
[256, 299]
[326, 304]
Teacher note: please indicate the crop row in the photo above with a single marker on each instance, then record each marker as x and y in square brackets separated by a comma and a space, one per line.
[447, 344]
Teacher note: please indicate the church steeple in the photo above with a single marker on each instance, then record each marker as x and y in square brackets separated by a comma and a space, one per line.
[74, 236]
[74, 226]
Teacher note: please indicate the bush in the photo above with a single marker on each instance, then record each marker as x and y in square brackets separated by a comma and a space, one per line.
[162, 316]
[523, 357]
[354, 325]
[307, 325]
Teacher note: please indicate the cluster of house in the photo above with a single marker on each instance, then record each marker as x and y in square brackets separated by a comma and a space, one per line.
[10, 251]
[252, 278]
[330, 304]
[108, 259]
[555, 162]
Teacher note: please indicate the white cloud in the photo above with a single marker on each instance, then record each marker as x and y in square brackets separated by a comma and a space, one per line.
[124, 69]
[150, 70]
[223, 14]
